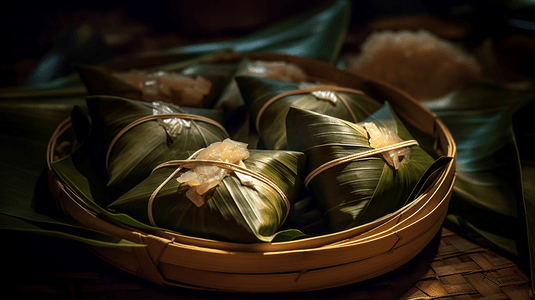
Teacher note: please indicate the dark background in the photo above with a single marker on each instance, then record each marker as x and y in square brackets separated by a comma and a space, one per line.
[116, 28]
[32, 29]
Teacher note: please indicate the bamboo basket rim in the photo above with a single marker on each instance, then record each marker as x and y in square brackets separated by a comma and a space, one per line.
[428, 209]
[276, 246]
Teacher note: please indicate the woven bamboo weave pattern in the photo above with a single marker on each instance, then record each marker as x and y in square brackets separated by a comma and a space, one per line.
[465, 270]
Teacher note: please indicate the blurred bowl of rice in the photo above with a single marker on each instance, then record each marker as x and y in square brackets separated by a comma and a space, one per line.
[418, 62]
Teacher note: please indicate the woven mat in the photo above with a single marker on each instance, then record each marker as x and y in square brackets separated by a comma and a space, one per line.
[450, 267]
[465, 270]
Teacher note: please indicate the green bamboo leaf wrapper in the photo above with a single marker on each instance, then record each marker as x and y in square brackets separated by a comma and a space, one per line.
[232, 212]
[256, 92]
[100, 80]
[359, 191]
[146, 145]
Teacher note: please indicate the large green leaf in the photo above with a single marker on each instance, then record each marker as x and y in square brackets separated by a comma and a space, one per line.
[80, 234]
[26, 203]
[75, 170]
[256, 92]
[232, 212]
[70, 84]
[491, 195]
[362, 190]
[524, 129]
[528, 180]
[143, 147]
[316, 33]
[24, 142]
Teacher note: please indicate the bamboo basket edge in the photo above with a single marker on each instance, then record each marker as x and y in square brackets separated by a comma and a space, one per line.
[71, 206]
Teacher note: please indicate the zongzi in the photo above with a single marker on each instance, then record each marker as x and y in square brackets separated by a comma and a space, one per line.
[246, 203]
[357, 172]
[168, 87]
[192, 90]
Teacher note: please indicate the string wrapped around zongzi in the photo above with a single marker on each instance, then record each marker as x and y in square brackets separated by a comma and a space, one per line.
[134, 137]
[222, 192]
[357, 172]
[270, 100]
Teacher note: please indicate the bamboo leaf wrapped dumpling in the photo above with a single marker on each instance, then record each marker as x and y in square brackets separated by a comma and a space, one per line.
[231, 102]
[134, 137]
[240, 208]
[163, 86]
[131, 79]
[352, 181]
[270, 100]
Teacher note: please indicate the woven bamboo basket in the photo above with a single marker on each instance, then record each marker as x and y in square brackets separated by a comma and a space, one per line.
[314, 263]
